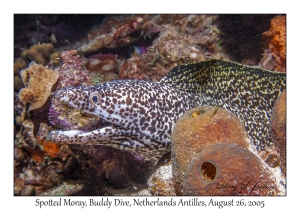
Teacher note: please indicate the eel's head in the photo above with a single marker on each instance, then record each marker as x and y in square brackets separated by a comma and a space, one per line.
[105, 100]
[87, 99]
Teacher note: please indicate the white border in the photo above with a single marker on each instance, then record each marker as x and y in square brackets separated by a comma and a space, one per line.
[8, 8]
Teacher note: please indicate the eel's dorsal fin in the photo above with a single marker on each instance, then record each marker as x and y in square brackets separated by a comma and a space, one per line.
[226, 80]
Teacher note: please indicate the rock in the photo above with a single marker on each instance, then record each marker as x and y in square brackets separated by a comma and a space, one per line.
[64, 189]
[19, 155]
[111, 77]
[18, 84]
[270, 156]
[225, 169]
[278, 128]
[144, 192]
[28, 190]
[39, 53]
[19, 64]
[199, 128]
[55, 58]
[18, 185]
[160, 183]
[19, 120]
[102, 62]
[28, 133]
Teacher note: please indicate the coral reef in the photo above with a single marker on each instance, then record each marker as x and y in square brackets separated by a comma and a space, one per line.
[199, 128]
[234, 171]
[118, 32]
[278, 128]
[38, 168]
[186, 39]
[102, 62]
[38, 176]
[38, 82]
[160, 183]
[274, 57]
[37, 145]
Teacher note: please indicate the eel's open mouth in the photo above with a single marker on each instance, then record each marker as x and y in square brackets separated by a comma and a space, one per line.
[95, 125]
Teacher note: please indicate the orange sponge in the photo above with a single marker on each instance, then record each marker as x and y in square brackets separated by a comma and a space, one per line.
[277, 41]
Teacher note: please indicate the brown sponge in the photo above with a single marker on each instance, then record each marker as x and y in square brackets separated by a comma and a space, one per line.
[224, 169]
[199, 128]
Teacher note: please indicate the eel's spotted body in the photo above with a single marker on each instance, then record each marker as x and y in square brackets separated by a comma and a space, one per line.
[139, 115]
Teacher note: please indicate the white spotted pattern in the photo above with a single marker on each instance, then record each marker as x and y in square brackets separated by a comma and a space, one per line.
[142, 114]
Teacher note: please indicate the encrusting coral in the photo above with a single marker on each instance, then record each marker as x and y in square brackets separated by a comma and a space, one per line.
[199, 128]
[234, 171]
[38, 81]
[72, 71]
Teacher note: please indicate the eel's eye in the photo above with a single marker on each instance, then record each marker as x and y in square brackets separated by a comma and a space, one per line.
[94, 98]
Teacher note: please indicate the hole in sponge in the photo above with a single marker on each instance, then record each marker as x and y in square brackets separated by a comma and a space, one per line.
[208, 171]
[194, 114]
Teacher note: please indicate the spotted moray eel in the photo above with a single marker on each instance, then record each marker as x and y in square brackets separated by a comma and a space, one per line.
[139, 115]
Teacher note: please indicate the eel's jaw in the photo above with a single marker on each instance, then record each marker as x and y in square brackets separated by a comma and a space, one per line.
[111, 136]
[99, 136]
[64, 136]
[82, 134]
